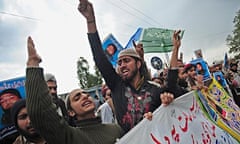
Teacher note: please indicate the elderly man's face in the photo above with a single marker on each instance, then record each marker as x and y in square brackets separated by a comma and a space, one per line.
[52, 87]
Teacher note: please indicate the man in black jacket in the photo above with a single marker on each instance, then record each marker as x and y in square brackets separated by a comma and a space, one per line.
[132, 94]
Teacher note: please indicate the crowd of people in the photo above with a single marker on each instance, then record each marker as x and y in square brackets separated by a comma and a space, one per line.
[131, 93]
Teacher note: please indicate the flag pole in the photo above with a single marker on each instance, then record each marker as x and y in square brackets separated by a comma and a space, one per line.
[167, 58]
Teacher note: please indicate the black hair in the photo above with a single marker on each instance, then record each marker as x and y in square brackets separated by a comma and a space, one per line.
[11, 90]
[16, 109]
[68, 103]
[114, 46]
[188, 67]
[199, 63]
[201, 71]
[143, 69]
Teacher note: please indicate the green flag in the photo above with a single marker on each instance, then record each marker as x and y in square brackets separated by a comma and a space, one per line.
[157, 40]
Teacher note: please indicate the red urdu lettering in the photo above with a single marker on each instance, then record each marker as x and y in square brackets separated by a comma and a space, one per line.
[155, 139]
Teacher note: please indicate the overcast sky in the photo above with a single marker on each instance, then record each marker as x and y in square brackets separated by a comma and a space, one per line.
[60, 34]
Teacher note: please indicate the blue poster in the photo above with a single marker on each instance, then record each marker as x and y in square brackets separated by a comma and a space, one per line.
[220, 78]
[202, 68]
[111, 48]
[11, 91]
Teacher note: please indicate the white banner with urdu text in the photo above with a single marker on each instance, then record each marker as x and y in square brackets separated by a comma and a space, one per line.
[181, 122]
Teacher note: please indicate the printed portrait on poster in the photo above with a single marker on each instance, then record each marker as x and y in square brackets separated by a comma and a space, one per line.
[111, 48]
[11, 91]
[220, 78]
[198, 53]
[202, 68]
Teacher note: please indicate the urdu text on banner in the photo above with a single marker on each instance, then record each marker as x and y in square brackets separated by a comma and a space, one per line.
[183, 121]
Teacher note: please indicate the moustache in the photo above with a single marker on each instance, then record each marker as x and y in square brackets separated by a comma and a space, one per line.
[30, 127]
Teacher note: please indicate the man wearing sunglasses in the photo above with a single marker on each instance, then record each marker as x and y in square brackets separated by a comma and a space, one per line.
[52, 87]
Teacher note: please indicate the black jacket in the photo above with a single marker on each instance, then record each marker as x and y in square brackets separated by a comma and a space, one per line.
[130, 104]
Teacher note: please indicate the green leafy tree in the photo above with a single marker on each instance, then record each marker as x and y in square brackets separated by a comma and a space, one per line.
[233, 41]
[99, 75]
[86, 79]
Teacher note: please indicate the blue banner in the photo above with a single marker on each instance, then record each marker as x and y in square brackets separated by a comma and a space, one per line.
[11, 91]
[134, 38]
[111, 48]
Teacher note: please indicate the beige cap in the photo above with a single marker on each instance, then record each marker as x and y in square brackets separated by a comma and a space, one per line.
[129, 52]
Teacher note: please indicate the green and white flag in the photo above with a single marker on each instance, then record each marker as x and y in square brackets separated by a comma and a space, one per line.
[157, 40]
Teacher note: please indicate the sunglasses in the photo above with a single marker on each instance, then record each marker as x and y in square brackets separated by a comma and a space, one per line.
[54, 88]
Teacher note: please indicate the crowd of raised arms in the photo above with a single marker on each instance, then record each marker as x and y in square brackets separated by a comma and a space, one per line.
[131, 93]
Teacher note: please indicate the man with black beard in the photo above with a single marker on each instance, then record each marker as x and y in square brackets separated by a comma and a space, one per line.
[132, 94]
[28, 135]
